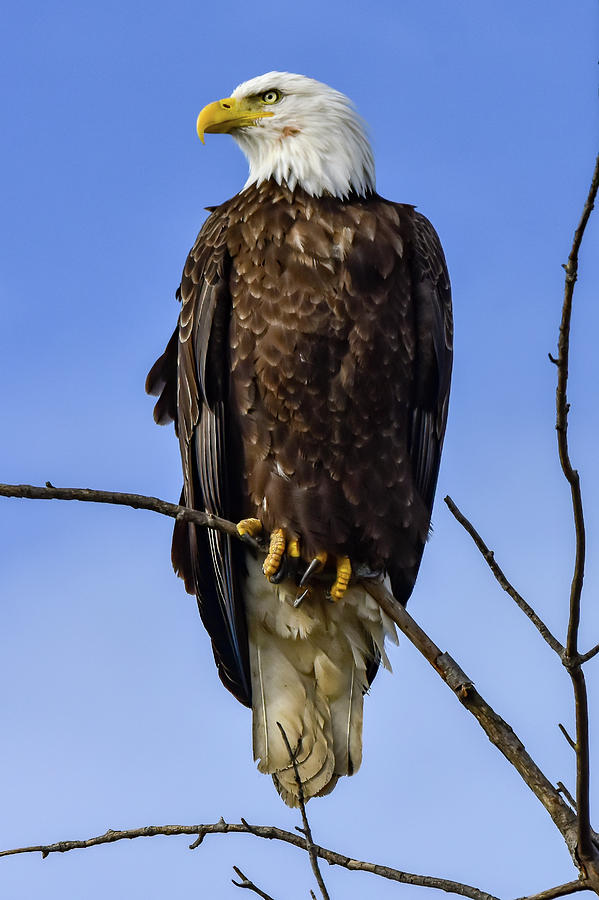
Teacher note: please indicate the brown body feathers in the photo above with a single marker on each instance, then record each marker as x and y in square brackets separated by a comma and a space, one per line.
[308, 379]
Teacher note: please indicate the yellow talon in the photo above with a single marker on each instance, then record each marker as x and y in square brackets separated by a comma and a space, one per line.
[342, 580]
[293, 548]
[253, 527]
[275, 553]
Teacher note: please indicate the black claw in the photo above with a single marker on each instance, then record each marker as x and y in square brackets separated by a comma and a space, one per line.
[312, 568]
[281, 572]
[300, 597]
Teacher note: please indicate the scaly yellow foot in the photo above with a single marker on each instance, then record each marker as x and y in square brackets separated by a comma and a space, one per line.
[342, 580]
[253, 527]
[275, 553]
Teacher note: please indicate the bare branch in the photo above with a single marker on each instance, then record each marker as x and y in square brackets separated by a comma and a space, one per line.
[584, 657]
[135, 501]
[562, 890]
[562, 409]
[567, 736]
[267, 832]
[307, 831]
[564, 790]
[246, 883]
[496, 729]
[489, 558]
[587, 852]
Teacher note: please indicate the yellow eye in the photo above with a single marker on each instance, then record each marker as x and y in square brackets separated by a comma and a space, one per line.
[272, 96]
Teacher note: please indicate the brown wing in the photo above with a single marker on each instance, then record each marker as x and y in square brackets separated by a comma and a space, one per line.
[192, 380]
[431, 297]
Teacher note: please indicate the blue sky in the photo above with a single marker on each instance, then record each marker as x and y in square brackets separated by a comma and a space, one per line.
[485, 116]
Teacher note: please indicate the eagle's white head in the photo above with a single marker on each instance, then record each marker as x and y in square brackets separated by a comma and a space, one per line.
[298, 131]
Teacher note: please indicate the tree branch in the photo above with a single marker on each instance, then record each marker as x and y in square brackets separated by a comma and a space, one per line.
[569, 740]
[562, 890]
[267, 832]
[135, 501]
[584, 851]
[564, 790]
[562, 410]
[489, 558]
[584, 657]
[496, 729]
[307, 831]
[246, 883]
[587, 852]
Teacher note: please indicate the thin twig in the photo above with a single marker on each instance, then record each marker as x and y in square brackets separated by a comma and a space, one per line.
[562, 890]
[489, 558]
[564, 790]
[587, 852]
[567, 736]
[307, 831]
[246, 883]
[584, 657]
[267, 832]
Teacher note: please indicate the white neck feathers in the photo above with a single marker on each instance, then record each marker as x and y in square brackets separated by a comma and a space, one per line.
[315, 139]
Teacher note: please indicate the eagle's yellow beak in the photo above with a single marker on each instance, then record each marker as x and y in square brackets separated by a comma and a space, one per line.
[223, 116]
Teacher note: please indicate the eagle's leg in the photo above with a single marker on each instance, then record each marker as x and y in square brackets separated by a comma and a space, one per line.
[275, 553]
[283, 559]
[293, 548]
[292, 560]
[289, 564]
[253, 527]
[342, 580]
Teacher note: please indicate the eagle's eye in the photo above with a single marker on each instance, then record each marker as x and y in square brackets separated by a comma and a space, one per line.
[271, 96]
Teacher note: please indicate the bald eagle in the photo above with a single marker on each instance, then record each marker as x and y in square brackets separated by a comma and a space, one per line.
[308, 380]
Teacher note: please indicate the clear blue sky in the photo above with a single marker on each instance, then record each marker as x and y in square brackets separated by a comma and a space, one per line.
[485, 116]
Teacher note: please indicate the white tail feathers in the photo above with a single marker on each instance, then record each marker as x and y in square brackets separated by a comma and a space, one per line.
[308, 669]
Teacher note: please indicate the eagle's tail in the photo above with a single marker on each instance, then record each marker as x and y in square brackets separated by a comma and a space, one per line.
[308, 668]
